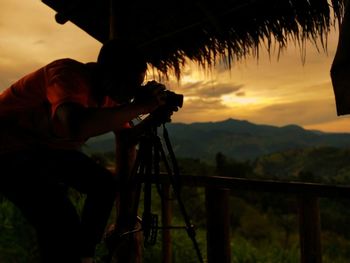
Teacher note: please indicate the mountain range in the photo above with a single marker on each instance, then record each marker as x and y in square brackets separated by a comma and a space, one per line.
[238, 139]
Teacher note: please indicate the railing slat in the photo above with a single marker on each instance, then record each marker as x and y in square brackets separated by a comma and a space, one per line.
[218, 225]
[309, 229]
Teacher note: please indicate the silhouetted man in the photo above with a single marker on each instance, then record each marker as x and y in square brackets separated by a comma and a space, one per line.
[46, 116]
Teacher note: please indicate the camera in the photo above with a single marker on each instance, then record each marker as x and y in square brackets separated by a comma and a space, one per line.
[172, 99]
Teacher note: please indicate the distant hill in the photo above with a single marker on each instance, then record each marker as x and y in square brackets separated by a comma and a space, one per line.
[237, 139]
[321, 164]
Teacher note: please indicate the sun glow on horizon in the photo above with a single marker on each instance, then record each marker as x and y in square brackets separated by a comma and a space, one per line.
[265, 90]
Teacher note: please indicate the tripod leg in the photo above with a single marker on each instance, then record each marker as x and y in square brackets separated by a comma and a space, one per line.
[176, 190]
[147, 217]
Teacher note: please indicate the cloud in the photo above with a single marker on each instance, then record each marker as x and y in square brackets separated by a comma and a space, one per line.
[209, 89]
[39, 42]
[307, 112]
[201, 110]
[30, 38]
[215, 91]
[240, 94]
[193, 105]
[203, 101]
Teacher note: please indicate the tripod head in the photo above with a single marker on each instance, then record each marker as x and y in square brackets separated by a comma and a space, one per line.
[163, 114]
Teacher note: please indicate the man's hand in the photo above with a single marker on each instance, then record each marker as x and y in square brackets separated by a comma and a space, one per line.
[151, 96]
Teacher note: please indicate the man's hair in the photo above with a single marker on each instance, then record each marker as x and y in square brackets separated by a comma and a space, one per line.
[123, 56]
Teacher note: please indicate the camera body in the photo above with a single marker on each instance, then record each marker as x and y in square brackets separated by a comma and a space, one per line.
[172, 99]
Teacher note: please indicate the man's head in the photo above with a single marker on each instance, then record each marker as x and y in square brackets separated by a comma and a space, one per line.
[123, 68]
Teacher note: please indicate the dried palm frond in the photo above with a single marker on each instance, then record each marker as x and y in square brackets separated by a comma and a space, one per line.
[202, 31]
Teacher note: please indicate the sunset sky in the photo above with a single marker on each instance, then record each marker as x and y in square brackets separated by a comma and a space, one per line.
[267, 91]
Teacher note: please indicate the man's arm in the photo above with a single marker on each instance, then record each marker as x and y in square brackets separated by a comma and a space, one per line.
[72, 120]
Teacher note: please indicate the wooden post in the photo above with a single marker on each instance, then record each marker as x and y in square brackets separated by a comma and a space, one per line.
[128, 249]
[167, 252]
[310, 229]
[112, 20]
[218, 225]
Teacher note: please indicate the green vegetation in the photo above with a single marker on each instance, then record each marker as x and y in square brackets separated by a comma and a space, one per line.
[17, 238]
[264, 226]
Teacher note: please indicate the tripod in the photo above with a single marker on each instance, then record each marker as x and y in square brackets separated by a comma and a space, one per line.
[147, 165]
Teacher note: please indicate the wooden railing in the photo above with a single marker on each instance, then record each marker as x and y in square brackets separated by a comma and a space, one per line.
[217, 191]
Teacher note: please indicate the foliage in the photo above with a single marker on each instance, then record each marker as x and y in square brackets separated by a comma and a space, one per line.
[264, 226]
[17, 239]
[244, 251]
[317, 164]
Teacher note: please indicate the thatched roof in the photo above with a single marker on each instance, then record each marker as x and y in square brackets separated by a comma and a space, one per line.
[171, 31]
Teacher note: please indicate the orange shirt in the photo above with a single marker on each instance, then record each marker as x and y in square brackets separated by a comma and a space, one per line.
[27, 106]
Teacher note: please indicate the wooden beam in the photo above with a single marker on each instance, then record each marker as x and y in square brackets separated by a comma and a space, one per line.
[272, 186]
[112, 20]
